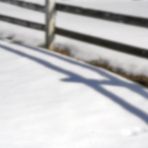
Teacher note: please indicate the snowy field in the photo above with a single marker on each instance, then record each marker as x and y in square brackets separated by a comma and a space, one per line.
[127, 34]
[48, 100]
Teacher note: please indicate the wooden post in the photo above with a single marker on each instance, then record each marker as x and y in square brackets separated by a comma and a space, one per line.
[50, 22]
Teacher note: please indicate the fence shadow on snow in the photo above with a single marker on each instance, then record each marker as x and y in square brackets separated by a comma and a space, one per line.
[94, 84]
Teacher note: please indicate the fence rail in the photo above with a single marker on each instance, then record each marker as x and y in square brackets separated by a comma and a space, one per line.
[97, 14]
[48, 27]
[24, 4]
[105, 15]
[141, 52]
[22, 22]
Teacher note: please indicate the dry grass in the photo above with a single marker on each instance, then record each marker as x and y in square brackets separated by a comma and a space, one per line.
[142, 80]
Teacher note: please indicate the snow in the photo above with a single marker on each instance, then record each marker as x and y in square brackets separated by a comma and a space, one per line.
[24, 14]
[127, 34]
[122, 33]
[48, 100]
[23, 35]
[119, 61]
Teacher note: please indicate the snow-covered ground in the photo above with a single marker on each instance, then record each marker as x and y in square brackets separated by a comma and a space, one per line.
[122, 33]
[21, 34]
[127, 34]
[48, 100]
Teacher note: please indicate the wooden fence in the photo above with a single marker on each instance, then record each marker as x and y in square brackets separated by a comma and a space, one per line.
[109, 16]
[49, 9]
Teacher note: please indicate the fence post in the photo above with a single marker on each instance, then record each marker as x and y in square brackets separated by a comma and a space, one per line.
[50, 22]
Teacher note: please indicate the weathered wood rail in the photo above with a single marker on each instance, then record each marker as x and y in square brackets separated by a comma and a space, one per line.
[105, 15]
[49, 9]
[24, 4]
